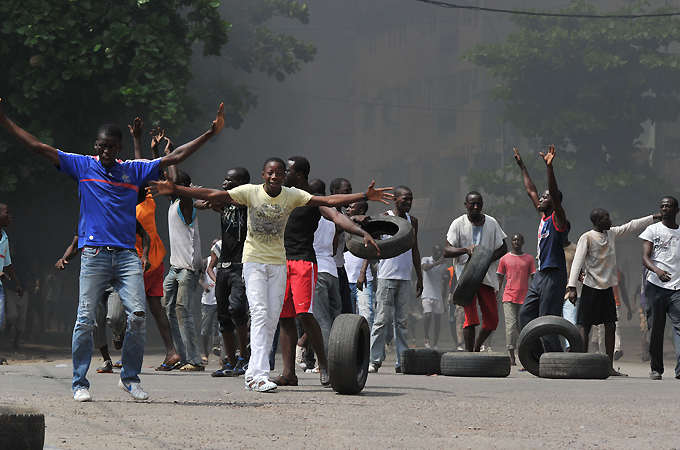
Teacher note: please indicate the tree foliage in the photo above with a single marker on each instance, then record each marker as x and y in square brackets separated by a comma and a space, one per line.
[68, 66]
[588, 85]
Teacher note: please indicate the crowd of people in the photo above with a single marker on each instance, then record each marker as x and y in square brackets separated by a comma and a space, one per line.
[280, 274]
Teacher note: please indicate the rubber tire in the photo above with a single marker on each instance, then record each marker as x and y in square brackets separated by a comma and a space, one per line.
[580, 366]
[349, 353]
[465, 364]
[529, 348]
[472, 276]
[421, 361]
[21, 427]
[402, 237]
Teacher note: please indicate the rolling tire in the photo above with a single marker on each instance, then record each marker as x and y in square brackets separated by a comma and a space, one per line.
[472, 276]
[348, 354]
[581, 366]
[529, 347]
[21, 427]
[464, 364]
[421, 361]
[402, 237]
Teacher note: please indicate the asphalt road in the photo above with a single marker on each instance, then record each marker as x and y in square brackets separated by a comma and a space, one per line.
[394, 411]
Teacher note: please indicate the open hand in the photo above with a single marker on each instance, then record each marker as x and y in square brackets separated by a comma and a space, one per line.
[379, 194]
[156, 137]
[169, 147]
[548, 158]
[218, 123]
[136, 128]
[157, 188]
[368, 240]
[664, 276]
[518, 158]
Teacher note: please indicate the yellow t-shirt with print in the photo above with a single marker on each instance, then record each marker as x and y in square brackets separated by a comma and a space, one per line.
[267, 217]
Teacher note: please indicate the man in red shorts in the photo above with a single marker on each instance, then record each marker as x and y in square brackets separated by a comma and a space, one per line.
[467, 231]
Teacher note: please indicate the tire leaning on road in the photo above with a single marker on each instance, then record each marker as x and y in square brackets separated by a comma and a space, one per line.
[420, 361]
[464, 364]
[348, 353]
[583, 366]
[402, 237]
[21, 427]
[472, 276]
[528, 342]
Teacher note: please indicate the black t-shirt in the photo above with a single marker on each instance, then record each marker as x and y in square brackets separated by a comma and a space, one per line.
[234, 230]
[299, 235]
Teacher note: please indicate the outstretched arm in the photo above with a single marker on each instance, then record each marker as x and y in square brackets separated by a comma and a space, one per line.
[136, 132]
[28, 139]
[532, 192]
[184, 151]
[348, 225]
[372, 194]
[560, 216]
[167, 187]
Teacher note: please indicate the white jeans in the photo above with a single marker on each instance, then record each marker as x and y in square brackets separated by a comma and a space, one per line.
[265, 287]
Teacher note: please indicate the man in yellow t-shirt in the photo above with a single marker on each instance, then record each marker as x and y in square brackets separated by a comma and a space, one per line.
[264, 257]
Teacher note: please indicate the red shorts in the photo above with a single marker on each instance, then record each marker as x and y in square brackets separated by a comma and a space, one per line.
[486, 295]
[300, 285]
[153, 281]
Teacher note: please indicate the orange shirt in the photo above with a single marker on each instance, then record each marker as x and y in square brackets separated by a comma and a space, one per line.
[146, 215]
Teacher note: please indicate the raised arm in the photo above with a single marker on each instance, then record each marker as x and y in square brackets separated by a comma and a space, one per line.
[156, 138]
[28, 139]
[372, 194]
[348, 225]
[69, 254]
[167, 187]
[529, 185]
[184, 151]
[136, 132]
[559, 215]
[429, 266]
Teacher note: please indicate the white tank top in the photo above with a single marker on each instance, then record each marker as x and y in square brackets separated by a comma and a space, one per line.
[399, 267]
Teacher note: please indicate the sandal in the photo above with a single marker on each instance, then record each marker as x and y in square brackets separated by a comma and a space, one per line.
[167, 368]
[283, 381]
[204, 360]
[192, 368]
[118, 365]
[616, 373]
[261, 385]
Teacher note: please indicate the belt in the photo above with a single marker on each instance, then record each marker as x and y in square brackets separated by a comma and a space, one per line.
[106, 247]
[224, 265]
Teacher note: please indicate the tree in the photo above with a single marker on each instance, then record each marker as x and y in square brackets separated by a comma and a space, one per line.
[589, 85]
[67, 67]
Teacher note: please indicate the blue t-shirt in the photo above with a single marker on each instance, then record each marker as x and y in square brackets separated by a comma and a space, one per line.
[550, 245]
[108, 197]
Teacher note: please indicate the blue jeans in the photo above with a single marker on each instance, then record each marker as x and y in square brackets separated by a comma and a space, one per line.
[327, 304]
[363, 301]
[392, 295]
[2, 304]
[179, 287]
[123, 270]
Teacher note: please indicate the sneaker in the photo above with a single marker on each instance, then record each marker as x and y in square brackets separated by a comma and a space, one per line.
[216, 351]
[82, 395]
[654, 375]
[261, 385]
[134, 389]
[225, 371]
[106, 367]
[426, 342]
[300, 357]
[460, 348]
[618, 354]
[240, 367]
[324, 376]
[118, 342]
[397, 369]
[372, 368]
[435, 347]
[677, 376]
[204, 360]
[314, 370]
[389, 347]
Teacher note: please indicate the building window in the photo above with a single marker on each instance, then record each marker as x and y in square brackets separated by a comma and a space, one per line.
[446, 122]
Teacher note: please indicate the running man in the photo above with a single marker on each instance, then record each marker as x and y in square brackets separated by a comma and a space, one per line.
[466, 232]
[264, 256]
[108, 195]
[359, 275]
[546, 293]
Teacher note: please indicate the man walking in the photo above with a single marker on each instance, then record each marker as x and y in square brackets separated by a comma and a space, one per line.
[434, 271]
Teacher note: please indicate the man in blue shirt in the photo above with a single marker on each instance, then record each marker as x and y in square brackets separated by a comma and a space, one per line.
[106, 234]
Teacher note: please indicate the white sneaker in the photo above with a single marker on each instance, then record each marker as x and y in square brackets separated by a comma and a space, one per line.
[300, 357]
[372, 368]
[427, 343]
[261, 385]
[460, 348]
[82, 395]
[314, 370]
[134, 389]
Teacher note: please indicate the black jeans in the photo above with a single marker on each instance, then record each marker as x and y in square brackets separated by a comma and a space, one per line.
[545, 298]
[661, 301]
[230, 293]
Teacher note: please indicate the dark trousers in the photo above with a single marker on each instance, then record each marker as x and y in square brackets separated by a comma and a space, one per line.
[545, 298]
[660, 302]
[345, 292]
[232, 303]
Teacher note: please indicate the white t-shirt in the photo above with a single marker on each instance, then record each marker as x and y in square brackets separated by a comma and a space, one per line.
[353, 267]
[208, 298]
[185, 240]
[432, 279]
[5, 259]
[399, 267]
[463, 234]
[323, 246]
[665, 253]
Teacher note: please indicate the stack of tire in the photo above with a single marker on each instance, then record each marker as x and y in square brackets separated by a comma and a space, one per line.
[572, 365]
[21, 427]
